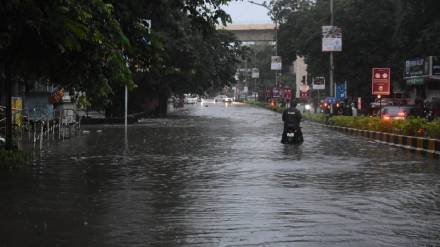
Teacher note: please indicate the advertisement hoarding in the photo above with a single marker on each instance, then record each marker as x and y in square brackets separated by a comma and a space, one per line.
[331, 38]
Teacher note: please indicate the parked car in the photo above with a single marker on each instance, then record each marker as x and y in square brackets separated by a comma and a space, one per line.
[397, 112]
[223, 98]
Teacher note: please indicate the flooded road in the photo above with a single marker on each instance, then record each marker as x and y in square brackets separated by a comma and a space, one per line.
[218, 176]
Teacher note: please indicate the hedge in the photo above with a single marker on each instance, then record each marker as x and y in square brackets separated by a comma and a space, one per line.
[411, 127]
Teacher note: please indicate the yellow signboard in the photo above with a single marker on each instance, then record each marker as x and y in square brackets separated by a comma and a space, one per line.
[17, 109]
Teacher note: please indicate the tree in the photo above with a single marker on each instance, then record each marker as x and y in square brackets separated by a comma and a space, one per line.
[64, 42]
[368, 31]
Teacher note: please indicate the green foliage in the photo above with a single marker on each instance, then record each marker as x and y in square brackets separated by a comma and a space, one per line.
[411, 126]
[13, 159]
[433, 129]
[380, 34]
[99, 46]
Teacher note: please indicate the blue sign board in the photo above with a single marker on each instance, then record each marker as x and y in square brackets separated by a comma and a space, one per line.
[330, 100]
[341, 91]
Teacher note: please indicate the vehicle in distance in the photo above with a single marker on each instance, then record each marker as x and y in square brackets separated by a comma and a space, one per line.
[397, 112]
[191, 99]
[223, 98]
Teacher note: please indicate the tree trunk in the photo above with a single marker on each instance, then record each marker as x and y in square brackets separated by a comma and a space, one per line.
[8, 111]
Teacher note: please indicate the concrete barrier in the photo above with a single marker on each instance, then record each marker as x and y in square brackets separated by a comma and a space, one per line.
[428, 146]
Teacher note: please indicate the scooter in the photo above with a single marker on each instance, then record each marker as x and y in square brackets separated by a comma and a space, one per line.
[293, 135]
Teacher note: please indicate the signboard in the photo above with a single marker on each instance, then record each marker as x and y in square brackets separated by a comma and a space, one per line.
[318, 83]
[330, 100]
[341, 91]
[287, 93]
[416, 67]
[304, 91]
[255, 73]
[359, 103]
[275, 92]
[380, 81]
[331, 38]
[435, 66]
[17, 107]
[276, 63]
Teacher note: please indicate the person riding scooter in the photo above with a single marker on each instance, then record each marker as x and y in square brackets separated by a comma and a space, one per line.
[292, 118]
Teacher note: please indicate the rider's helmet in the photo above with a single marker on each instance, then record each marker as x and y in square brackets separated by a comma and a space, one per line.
[293, 103]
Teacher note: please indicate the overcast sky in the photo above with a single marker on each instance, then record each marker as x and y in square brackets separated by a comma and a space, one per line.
[243, 12]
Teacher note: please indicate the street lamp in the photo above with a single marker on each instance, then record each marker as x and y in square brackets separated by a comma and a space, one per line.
[276, 32]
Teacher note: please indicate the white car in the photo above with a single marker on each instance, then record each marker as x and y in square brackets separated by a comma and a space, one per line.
[191, 98]
[223, 98]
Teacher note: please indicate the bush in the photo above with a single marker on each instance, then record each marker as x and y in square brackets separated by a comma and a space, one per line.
[411, 126]
[433, 129]
[13, 158]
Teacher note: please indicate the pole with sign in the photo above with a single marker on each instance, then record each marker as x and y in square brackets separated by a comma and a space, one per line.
[255, 76]
[380, 82]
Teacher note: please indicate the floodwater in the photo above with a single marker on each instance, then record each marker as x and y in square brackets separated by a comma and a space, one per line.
[219, 176]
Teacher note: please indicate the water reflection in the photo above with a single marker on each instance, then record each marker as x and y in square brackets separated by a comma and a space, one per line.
[217, 176]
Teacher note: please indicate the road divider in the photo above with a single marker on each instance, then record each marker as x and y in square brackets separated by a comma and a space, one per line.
[431, 147]
[428, 146]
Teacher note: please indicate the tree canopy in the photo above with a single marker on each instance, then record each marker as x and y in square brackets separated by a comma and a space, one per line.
[99, 46]
[379, 34]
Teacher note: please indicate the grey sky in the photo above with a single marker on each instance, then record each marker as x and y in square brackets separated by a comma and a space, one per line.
[243, 12]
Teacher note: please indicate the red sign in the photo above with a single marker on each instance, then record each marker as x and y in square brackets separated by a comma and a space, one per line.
[380, 81]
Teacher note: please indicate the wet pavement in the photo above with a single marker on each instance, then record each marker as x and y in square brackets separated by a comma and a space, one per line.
[218, 176]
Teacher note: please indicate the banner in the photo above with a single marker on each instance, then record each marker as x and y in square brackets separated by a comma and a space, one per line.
[318, 83]
[331, 38]
[276, 63]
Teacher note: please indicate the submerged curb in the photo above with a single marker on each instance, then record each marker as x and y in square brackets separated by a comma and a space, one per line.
[428, 146]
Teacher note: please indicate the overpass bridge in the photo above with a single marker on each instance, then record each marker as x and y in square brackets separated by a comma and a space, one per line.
[253, 34]
[265, 34]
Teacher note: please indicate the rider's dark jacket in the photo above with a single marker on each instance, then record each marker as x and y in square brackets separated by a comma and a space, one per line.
[291, 117]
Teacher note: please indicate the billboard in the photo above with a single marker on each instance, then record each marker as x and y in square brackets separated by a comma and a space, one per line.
[416, 67]
[380, 81]
[275, 63]
[331, 38]
[318, 83]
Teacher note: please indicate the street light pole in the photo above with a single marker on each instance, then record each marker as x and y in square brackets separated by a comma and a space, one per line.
[332, 68]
